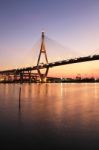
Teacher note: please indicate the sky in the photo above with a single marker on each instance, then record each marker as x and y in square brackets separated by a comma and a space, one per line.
[72, 23]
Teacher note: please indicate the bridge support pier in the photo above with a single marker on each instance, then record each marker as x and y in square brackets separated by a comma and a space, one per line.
[43, 77]
[29, 76]
[15, 78]
[21, 77]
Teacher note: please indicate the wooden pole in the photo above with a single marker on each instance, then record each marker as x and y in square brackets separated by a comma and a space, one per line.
[19, 97]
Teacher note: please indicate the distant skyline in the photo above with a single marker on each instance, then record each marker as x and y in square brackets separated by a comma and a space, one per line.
[73, 23]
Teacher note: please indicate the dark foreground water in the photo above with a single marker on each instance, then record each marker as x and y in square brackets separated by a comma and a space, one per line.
[62, 116]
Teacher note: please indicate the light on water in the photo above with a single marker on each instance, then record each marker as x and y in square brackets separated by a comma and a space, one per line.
[50, 115]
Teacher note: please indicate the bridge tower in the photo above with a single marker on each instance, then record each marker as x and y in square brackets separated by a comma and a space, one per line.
[42, 51]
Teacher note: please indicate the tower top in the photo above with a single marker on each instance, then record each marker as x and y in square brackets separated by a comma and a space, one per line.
[43, 34]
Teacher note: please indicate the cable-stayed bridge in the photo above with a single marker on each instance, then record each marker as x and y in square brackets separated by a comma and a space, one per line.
[27, 72]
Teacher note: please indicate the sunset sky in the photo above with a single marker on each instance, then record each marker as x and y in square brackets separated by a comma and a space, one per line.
[72, 23]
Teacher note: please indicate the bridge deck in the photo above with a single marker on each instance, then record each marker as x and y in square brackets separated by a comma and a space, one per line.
[53, 64]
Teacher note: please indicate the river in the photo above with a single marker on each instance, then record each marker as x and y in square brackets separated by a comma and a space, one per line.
[50, 115]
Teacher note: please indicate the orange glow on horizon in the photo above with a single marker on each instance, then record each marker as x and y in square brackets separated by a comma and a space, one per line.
[86, 69]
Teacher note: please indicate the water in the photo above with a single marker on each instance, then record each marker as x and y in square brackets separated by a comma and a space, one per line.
[50, 116]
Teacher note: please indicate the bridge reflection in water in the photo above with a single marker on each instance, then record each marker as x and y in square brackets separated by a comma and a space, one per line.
[51, 115]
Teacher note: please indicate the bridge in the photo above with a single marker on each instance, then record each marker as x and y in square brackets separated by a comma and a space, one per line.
[27, 73]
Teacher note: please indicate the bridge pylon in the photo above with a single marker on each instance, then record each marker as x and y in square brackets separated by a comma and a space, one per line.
[42, 51]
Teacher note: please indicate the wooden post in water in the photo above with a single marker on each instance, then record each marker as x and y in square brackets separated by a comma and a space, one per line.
[19, 98]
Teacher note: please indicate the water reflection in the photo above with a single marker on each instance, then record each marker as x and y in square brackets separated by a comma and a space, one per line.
[60, 110]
